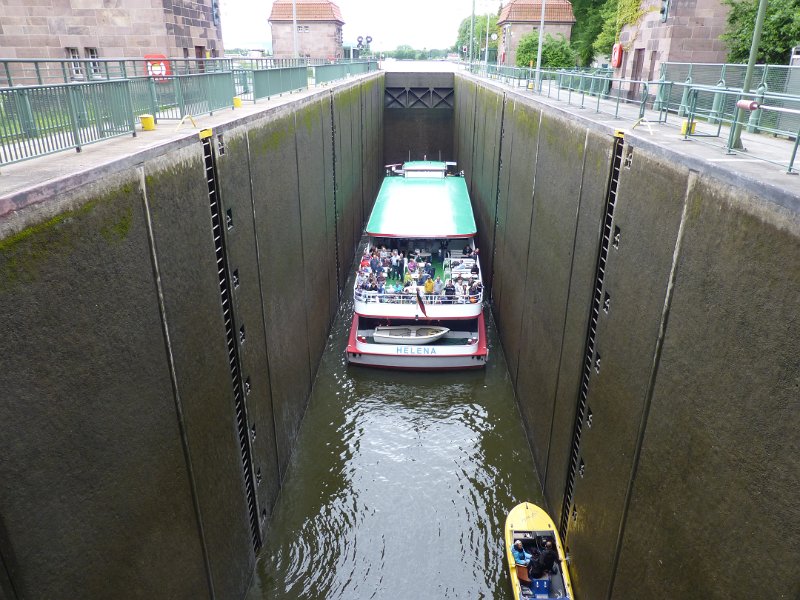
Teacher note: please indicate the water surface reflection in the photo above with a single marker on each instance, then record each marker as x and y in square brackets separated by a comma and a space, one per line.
[399, 485]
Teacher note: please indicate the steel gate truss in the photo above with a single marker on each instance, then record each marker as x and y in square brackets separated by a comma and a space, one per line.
[418, 97]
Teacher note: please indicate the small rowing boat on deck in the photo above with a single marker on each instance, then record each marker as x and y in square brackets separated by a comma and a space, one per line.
[412, 335]
[534, 528]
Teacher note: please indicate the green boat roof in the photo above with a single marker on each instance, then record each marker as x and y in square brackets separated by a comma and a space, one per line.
[422, 207]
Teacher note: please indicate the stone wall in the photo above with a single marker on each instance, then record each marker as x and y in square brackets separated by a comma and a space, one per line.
[314, 39]
[133, 28]
[122, 473]
[691, 33]
[685, 471]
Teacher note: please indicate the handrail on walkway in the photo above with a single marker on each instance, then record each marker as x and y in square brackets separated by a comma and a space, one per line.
[77, 102]
[693, 102]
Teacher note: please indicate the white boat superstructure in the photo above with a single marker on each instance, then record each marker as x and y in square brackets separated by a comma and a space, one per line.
[418, 291]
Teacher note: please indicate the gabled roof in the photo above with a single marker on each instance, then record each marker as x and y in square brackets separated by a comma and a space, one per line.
[530, 11]
[307, 10]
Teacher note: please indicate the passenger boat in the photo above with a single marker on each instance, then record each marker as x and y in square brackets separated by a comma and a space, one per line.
[422, 210]
[534, 528]
[415, 335]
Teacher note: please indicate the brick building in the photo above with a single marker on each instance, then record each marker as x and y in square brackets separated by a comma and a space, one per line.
[88, 29]
[520, 17]
[690, 33]
[319, 29]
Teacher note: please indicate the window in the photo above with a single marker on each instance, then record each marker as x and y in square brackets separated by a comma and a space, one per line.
[75, 67]
[91, 53]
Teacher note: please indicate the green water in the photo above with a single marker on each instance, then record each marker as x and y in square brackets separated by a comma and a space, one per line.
[399, 484]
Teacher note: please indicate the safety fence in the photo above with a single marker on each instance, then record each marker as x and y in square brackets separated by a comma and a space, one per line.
[695, 104]
[39, 120]
[48, 117]
[253, 85]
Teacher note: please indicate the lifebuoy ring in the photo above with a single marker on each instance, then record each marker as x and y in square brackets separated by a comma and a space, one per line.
[616, 55]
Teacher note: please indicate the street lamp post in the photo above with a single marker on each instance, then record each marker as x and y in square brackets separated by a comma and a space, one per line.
[472, 32]
[748, 75]
[294, 26]
[486, 53]
[539, 49]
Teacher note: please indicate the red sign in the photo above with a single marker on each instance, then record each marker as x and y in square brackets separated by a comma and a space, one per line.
[616, 56]
[158, 66]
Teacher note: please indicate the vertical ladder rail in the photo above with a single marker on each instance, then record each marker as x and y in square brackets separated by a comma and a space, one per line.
[606, 239]
[228, 317]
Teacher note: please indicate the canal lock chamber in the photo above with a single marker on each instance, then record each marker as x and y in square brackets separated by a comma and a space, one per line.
[164, 314]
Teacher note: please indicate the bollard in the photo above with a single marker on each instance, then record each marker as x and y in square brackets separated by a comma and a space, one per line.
[716, 105]
[148, 122]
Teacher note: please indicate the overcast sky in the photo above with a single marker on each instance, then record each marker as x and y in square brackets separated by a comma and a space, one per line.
[418, 23]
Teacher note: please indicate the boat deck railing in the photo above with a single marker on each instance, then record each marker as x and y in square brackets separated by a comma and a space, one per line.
[411, 298]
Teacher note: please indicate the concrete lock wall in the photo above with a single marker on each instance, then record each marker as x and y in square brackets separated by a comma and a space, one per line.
[418, 117]
[688, 474]
[122, 470]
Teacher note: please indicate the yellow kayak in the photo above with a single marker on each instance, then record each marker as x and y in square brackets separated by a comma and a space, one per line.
[534, 528]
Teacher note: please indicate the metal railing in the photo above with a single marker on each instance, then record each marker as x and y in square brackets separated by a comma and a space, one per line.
[14, 72]
[390, 297]
[703, 122]
[694, 104]
[77, 102]
[39, 120]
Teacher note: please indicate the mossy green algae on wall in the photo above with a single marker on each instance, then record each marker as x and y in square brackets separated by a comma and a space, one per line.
[22, 252]
[90, 442]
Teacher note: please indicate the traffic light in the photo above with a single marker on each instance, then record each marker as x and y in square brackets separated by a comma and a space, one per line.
[664, 10]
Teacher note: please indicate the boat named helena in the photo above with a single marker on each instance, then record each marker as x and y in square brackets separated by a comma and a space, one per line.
[418, 294]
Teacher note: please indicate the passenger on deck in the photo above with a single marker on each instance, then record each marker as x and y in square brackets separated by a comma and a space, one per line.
[438, 286]
[396, 261]
[475, 270]
[520, 556]
[429, 286]
[412, 265]
[407, 279]
[374, 263]
[459, 293]
[475, 292]
[467, 251]
[548, 558]
[429, 269]
[361, 279]
[449, 290]
[423, 278]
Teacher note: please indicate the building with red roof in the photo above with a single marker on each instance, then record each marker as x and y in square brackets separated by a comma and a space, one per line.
[319, 29]
[520, 17]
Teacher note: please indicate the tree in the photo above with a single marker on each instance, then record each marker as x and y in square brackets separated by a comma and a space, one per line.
[556, 53]
[480, 34]
[781, 30]
[605, 40]
[588, 25]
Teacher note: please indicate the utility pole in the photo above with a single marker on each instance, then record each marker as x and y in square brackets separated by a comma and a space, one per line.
[471, 32]
[294, 26]
[539, 50]
[486, 53]
[748, 75]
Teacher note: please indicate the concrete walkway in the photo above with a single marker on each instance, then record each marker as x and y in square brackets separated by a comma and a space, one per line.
[19, 180]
